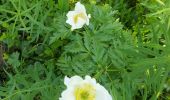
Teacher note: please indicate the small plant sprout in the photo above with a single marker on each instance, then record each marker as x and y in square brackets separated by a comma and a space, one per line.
[78, 17]
[84, 89]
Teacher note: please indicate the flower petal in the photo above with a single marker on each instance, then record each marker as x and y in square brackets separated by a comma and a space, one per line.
[68, 94]
[88, 17]
[80, 23]
[90, 80]
[79, 7]
[70, 15]
[102, 93]
[73, 81]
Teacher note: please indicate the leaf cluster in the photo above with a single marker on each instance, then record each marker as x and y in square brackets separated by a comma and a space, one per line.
[126, 48]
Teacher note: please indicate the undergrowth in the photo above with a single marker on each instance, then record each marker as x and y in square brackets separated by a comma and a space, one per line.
[126, 48]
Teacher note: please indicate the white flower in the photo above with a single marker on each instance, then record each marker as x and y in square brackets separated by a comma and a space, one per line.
[78, 17]
[87, 89]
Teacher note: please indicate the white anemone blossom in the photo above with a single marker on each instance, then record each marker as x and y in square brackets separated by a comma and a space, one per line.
[78, 17]
[84, 89]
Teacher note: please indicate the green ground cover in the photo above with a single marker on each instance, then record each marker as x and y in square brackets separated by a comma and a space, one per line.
[126, 48]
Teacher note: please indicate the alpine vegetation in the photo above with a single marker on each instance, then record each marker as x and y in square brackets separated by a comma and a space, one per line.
[84, 89]
[84, 49]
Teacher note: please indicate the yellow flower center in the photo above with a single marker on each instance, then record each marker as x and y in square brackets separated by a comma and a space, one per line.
[80, 15]
[85, 92]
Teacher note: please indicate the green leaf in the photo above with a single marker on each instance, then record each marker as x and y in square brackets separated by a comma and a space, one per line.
[13, 60]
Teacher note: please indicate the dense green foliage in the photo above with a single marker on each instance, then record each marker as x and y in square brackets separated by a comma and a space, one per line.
[126, 48]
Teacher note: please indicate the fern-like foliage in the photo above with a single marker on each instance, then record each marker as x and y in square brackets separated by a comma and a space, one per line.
[126, 48]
